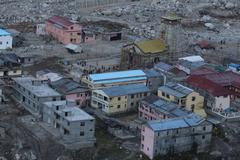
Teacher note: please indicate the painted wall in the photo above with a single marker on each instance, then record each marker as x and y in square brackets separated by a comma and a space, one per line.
[222, 102]
[147, 141]
[6, 42]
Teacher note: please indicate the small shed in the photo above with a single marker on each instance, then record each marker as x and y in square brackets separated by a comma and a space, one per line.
[73, 49]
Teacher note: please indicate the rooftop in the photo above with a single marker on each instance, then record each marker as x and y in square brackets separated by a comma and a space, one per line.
[61, 21]
[76, 114]
[176, 123]
[203, 83]
[152, 73]
[120, 75]
[39, 89]
[152, 46]
[125, 90]
[67, 86]
[163, 66]
[175, 89]
[192, 59]
[165, 106]
[4, 33]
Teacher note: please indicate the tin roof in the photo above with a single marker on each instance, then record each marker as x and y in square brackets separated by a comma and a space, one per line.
[193, 59]
[4, 33]
[175, 89]
[176, 123]
[61, 21]
[120, 75]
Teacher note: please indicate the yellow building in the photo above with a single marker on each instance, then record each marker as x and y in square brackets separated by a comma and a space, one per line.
[183, 96]
[119, 99]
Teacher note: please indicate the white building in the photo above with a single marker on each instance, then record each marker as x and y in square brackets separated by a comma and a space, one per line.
[5, 39]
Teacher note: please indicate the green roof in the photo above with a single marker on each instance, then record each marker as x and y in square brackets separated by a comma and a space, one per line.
[152, 46]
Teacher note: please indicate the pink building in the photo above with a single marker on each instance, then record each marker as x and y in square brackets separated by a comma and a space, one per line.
[155, 108]
[73, 91]
[64, 30]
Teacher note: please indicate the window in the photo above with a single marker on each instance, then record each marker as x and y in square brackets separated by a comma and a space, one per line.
[142, 137]
[91, 130]
[163, 94]
[193, 98]
[82, 124]
[57, 107]
[66, 114]
[119, 98]
[14, 71]
[168, 96]
[0, 42]
[203, 137]
[132, 96]
[177, 131]
[193, 130]
[204, 128]
[54, 98]
[145, 94]
[192, 107]
[68, 123]
[142, 146]
[81, 133]
[118, 106]
[66, 132]
[132, 104]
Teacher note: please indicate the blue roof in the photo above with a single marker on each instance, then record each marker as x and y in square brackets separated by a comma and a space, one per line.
[175, 89]
[4, 33]
[163, 66]
[125, 90]
[234, 65]
[181, 122]
[116, 75]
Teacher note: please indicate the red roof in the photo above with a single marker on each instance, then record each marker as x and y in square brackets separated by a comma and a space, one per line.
[204, 44]
[203, 71]
[62, 21]
[203, 83]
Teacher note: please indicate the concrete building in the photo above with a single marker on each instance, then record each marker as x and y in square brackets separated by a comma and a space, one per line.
[31, 93]
[118, 99]
[5, 39]
[41, 29]
[175, 135]
[64, 30]
[143, 54]
[155, 108]
[216, 97]
[75, 126]
[183, 96]
[73, 91]
[154, 79]
[10, 66]
[103, 80]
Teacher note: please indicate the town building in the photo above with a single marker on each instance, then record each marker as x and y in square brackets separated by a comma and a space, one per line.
[217, 97]
[64, 30]
[108, 79]
[31, 93]
[155, 108]
[73, 91]
[118, 99]
[154, 79]
[75, 126]
[5, 39]
[175, 135]
[143, 54]
[190, 63]
[10, 66]
[183, 96]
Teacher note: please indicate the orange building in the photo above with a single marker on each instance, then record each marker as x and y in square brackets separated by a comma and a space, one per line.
[64, 30]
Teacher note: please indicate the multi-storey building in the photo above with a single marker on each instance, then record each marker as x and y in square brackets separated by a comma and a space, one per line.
[103, 80]
[183, 96]
[175, 135]
[31, 93]
[155, 108]
[64, 30]
[119, 99]
[73, 124]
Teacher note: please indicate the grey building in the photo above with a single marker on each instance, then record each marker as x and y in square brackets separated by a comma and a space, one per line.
[176, 135]
[154, 79]
[31, 93]
[73, 124]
